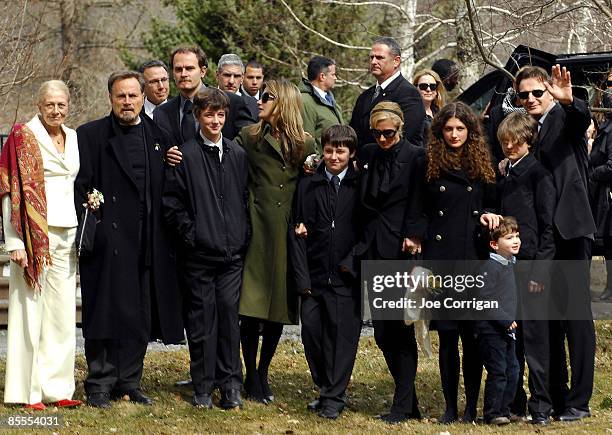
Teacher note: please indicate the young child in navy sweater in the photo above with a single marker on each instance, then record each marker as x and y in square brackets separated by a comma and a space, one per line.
[496, 331]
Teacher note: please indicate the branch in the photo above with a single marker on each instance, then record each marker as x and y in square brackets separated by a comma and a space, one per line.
[319, 34]
[481, 49]
[369, 3]
[434, 53]
[602, 7]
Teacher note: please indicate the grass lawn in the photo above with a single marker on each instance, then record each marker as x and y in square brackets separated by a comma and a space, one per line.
[370, 394]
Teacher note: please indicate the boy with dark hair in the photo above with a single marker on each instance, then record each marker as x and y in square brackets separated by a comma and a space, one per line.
[205, 203]
[528, 193]
[496, 334]
[326, 205]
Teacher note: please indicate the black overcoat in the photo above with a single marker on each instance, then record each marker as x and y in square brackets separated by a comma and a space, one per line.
[601, 179]
[114, 307]
[400, 214]
[562, 149]
[453, 206]
[399, 91]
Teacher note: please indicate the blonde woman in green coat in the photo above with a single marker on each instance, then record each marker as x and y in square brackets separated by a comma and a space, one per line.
[276, 147]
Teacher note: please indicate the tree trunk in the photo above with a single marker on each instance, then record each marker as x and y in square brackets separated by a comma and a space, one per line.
[467, 52]
[69, 11]
[406, 30]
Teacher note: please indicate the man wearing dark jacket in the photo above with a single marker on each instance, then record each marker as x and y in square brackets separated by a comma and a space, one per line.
[385, 58]
[561, 148]
[129, 281]
[319, 107]
[326, 203]
[189, 65]
[205, 202]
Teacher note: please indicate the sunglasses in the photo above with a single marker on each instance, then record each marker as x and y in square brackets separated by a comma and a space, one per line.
[609, 83]
[387, 134]
[523, 95]
[265, 97]
[425, 86]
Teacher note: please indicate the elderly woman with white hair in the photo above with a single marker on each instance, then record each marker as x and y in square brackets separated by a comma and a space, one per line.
[38, 166]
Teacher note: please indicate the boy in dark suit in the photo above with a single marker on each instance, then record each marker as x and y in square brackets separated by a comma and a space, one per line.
[330, 299]
[496, 332]
[528, 193]
[205, 203]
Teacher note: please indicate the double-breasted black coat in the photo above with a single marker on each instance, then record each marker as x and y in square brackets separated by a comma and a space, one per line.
[601, 179]
[453, 206]
[115, 306]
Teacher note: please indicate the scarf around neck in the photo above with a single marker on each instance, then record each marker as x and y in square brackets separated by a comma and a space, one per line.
[22, 177]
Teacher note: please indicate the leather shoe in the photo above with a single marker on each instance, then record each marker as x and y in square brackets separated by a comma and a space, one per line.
[539, 418]
[330, 412]
[202, 401]
[315, 405]
[137, 396]
[573, 414]
[39, 406]
[394, 418]
[450, 416]
[498, 421]
[230, 399]
[99, 400]
[67, 403]
[517, 418]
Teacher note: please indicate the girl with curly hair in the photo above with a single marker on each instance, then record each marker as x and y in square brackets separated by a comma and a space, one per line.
[460, 188]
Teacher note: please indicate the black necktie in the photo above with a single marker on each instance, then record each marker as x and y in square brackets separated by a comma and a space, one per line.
[336, 182]
[188, 122]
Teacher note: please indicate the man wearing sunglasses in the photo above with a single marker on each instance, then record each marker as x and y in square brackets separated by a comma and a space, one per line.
[561, 147]
[319, 107]
[385, 60]
[157, 85]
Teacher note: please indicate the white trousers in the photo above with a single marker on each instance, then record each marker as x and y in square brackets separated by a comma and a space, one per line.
[41, 328]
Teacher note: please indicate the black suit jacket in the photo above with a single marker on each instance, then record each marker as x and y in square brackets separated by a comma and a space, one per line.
[400, 214]
[399, 91]
[332, 224]
[114, 307]
[562, 149]
[528, 194]
[168, 118]
[251, 103]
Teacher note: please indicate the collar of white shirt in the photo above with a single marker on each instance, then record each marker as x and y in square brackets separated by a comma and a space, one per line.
[210, 143]
[341, 175]
[320, 92]
[513, 165]
[543, 117]
[390, 79]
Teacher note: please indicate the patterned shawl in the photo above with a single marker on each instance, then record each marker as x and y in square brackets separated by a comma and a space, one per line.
[22, 177]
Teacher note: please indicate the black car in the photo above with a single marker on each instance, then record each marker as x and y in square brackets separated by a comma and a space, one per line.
[588, 70]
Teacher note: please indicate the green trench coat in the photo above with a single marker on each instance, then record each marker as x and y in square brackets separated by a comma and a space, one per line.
[272, 181]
